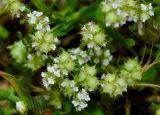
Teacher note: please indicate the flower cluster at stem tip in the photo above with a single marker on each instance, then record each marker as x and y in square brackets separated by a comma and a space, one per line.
[43, 40]
[118, 12]
[15, 7]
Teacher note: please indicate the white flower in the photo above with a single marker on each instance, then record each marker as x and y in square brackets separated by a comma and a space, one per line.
[53, 46]
[51, 80]
[45, 83]
[20, 106]
[56, 60]
[91, 27]
[39, 26]
[150, 6]
[75, 103]
[30, 15]
[118, 12]
[107, 53]
[46, 19]
[47, 28]
[143, 7]
[114, 5]
[32, 20]
[37, 14]
[107, 24]
[75, 51]
[73, 57]
[151, 13]
[72, 83]
[90, 45]
[50, 69]
[80, 61]
[56, 40]
[43, 74]
[76, 89]
[65, 72]
[44, 56]
[84, 28]
[17, 15]
[29, 57]
[63, 84]
[90, 36]
[105, 62]
[57, 73]
[144, 17]
[22, 8]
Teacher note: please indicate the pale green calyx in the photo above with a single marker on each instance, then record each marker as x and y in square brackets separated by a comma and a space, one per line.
[44, 42]
[92, 35]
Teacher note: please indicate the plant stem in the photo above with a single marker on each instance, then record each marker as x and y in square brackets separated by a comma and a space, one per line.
[148, 85]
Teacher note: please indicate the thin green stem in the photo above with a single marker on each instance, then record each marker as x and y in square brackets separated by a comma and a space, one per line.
[148, 85]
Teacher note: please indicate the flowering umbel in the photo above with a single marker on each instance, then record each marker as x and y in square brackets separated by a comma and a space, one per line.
[118, 12]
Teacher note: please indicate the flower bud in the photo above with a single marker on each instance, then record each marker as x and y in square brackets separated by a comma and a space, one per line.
[21, 107]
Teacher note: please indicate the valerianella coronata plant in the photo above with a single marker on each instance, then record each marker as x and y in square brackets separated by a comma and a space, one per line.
[118, 12]
[43, 40]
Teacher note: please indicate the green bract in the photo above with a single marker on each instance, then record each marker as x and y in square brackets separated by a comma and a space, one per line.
[18, 51]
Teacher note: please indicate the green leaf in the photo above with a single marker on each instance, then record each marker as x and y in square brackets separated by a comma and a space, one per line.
[40, 5]
[33, 105]
[130, 42]
[9, 95]
[3, 32]
[1, 112]
[72, 3]
[150, 75]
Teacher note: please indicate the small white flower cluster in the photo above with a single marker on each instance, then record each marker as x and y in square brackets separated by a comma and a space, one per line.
[94, 39]
[118, 12]
[146, 12]
[79, 97]
[44, 41]
[35, 61]
[97, 55]
[60, 69]
[47, 80]
[92, 35]
[69, 87]
[40, 22]
[71, 84]
[100, 56]
[80, 100]
[79, 55]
